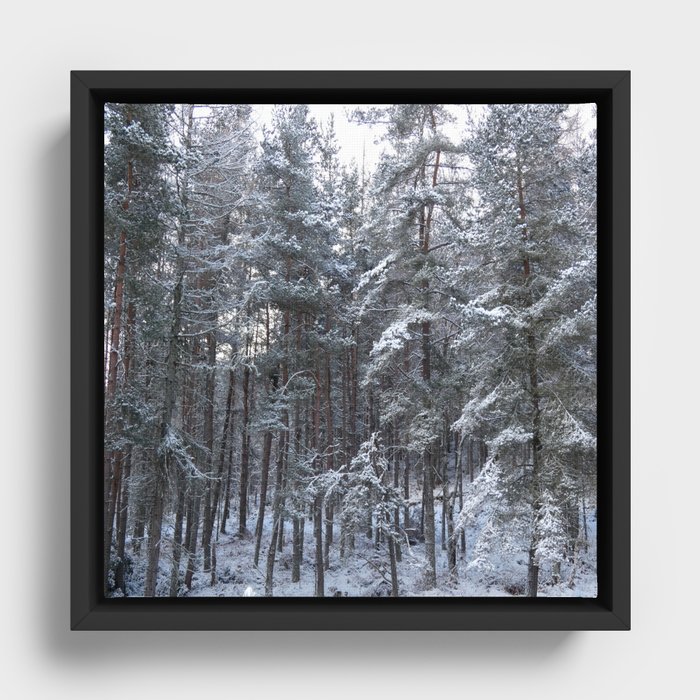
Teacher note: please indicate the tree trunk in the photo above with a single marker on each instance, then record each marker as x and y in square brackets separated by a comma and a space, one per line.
[443, 510]
[330, 447]
[392, 565]
[211, 493]
[451, 539]
[429, 525]
[112, 461]
[395, 467]
[406, 491]
[318, 500]
[139, 530]
[267, 449]
[165, 451]
[532, 575]
[223, 449]
[425, 222]
[297, 548]
[460, 485]
[556, 572]
[123, 512]
[154, 537]
[122, 519]
[354, 380]
[245, 455]
[533, 569]
[277, 503]
[227, 493]
[177, 543]
[318, 533]
[193, 529]
[282, 455]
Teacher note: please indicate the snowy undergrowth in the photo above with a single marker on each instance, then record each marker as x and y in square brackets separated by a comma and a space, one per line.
[365, 571]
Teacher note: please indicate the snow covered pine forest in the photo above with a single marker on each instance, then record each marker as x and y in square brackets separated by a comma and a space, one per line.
[331, 377]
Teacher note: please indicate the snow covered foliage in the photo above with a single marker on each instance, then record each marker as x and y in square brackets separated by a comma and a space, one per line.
[533, 403]
[550, 535]
[366, 490]
[324, 377]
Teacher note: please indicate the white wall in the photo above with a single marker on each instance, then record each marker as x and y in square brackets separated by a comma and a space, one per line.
[41, 44]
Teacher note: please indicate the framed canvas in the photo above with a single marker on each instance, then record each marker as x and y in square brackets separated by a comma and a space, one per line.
[350, 350]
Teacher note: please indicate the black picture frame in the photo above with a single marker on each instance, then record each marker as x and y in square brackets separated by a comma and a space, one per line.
[90, 610]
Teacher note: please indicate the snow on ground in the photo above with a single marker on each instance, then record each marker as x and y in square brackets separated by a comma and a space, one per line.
[365, 572]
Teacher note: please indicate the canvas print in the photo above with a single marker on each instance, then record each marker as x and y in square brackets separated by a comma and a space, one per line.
[350, 350]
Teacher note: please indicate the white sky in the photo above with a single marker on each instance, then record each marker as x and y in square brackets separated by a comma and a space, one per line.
[355, 139]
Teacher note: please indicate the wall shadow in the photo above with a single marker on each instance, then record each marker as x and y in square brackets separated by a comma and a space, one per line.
[48, 584]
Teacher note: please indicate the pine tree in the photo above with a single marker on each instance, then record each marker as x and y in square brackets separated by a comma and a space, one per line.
[296, 223]
[137, 204]
[409, 356]
[536, 248]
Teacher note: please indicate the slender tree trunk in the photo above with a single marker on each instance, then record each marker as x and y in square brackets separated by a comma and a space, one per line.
[397, 527]
[193, 529]
[330, 447]
[139, 530]
[318, 534]
[193, 496]
[353, 392]
[460, 485]
[123, 512]
[318, 500]
[532, 574]
[277, 502]
[556, 572]
[229, 452]
[223, 450]
[106, 339]
[229, 478]
[270, 568]
[406, 491]
[533, 568]
[443, 510]
[245, 455]
[177, 542]
[159, 478]
[112, 483]
[429, 525]
[451, 542]
[392, 566]
[210, 497]
[424, 231]
[154, 538]
[297, 548]
[122, 519]
[267, 449]
[470, 460]
[450, 502]
[282, 454]
[370, 430]
[406, 462]
[112, 460]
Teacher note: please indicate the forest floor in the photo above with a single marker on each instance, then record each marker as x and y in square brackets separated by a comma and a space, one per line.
[365, 572]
